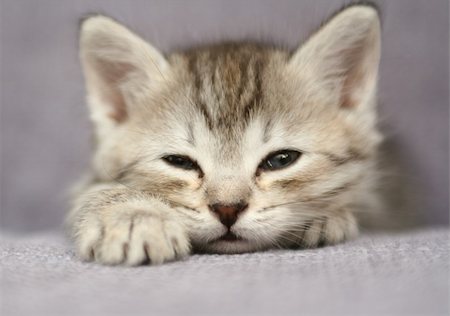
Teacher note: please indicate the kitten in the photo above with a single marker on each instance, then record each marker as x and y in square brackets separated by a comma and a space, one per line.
[228, 148]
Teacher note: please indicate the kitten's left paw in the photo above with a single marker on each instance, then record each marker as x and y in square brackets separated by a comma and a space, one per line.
[330, 230]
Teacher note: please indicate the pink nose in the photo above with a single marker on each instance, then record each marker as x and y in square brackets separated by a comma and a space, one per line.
[228, 214]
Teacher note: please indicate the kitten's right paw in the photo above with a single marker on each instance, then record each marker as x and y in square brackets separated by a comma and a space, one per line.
[132, 238]
[330, 230]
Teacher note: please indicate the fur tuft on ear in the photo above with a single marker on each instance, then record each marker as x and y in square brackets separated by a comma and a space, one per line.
[341, 59]
[120, 69]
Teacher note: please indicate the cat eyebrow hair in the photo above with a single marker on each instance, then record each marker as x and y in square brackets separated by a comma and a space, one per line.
[204, 110]
[267, 129]
[190, 135]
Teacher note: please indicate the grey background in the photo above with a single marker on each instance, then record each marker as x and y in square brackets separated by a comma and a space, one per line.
[44, 127]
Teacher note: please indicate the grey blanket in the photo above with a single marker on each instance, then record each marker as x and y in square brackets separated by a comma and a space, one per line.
[383, 274]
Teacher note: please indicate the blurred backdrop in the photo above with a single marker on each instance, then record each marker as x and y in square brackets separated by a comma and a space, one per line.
[45, 132]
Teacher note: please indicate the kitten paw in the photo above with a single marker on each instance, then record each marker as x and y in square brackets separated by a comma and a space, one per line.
[132, 238]
[330, 230]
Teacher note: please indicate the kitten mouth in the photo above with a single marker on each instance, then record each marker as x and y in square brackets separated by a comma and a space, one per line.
[229, 236]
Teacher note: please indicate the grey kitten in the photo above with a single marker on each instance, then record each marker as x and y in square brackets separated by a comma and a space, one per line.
[228, 148]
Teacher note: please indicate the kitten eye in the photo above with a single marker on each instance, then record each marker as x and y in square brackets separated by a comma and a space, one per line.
[182, 162]
[279, 160]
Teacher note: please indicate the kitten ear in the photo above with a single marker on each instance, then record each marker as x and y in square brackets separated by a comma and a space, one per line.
[341, 59]
[120, 68]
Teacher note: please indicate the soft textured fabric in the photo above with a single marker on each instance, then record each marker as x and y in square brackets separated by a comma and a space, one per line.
[377, 274]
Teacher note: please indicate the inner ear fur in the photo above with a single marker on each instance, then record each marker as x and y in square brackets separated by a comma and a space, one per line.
[119, 68]
[342, 57]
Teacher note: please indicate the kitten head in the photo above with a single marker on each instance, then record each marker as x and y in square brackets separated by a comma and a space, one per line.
[248, 143]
